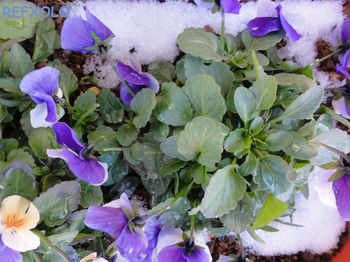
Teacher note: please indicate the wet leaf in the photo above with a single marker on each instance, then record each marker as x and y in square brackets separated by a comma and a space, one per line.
[142, 104]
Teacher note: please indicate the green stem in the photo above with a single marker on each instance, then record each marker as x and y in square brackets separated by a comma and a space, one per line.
[106, 149]
[241, 246]
[101, 246]
[122, 80]
[222, 34]
[317, 61]
[90, 111]
[192, 226]
[51, 245]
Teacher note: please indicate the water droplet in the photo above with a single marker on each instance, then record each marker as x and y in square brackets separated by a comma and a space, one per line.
[296, 148]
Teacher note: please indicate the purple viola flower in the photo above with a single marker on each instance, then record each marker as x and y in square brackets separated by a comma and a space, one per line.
[168, 251]
[342, 33]
[8, 254]
[111, 219]
[271, 18]
[340, 107]
[136, 79]
[76, 32]
[345, 62]
[41, 85]
[229, 6]
[152, 229]
[86, 169]
[336, 193]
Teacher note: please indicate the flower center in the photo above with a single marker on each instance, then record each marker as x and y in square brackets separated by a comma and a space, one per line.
[13, 221]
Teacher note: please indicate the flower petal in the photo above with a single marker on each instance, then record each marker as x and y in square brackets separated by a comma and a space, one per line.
[262, 25]
[153, 82]
[266, 8]
[290, 31]
[336, 34]
[225, 259]
[9, 255]
[66, 136]
[110, 220]
[135, 65]
[231, 6]
[345, 31]
[39, 114]
[131, 246]
[152, 230]
[130, 75]
[17, 208]
[97, 26]
[340, 107]
[172, 254]
[324, 188]
[125, 95]
[197, 255]
[50, 103]
[341, 69]
[20, 241]
[122, 201]
[56, 153]
[89, 170]
[75, 35]
[169, 237]
[341, 188]
[44, 80]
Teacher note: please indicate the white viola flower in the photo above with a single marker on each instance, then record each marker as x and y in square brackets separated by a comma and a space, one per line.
[42, 85]
[18, 216]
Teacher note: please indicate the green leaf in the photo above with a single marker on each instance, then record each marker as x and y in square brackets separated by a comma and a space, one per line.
[20, 62]
[76, 220]
[107, 142]
[172, 106]
[201, 137]
[68, 81]
[325, 110]
[111, 109]
[56, 257]
[22, 27]
[8, 144]
[3, 112]
[224, 190]
[256, 125]
[127, 133]
[270, 175]
[285, 98]
[20, 155]
[255, 236]
[11, 85]
[57, 204]
[197, 42]
[271, 209]
[264, 91]
[85, 102]
[257, 43]
[142, 104]
[245, 103]
[5, 63]
[156, 186]
[303, 106]
[62, 239]
[159, 130]
[117, 169]
[197, 173]
[169, 147]
[248, 165]
[210, 102]
[41, 139]
[290, 66]
[299, 148]
[221, 72]
[170, 165]
[335, 138]
[49, 181]
[163, 71]
[304, 83]
[90, 195]
[237, 141]
[239, 218]
[279, 141]
[18, 179]
[46, 40]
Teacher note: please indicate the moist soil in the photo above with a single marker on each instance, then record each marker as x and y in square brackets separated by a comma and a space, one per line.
[218, 245]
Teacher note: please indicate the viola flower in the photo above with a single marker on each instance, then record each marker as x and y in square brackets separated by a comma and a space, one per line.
[339, 107]
[172, 248]
[336, 193]
[135, 78]
[93, 258]
[271, 18]
[76, 32]
[116, 218]
[152, 229]
[229, 6]
[18, 216]
[42, 86]
[345, 62]
[73, 153]
[342, 33]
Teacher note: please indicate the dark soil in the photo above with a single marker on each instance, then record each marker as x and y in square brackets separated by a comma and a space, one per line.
[223, 245]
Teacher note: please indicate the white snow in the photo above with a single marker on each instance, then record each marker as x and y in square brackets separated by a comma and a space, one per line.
[151, 28]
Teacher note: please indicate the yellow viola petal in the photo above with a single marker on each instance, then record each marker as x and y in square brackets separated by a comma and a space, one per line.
[19, 212]
[91, 257]
[20, 241]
